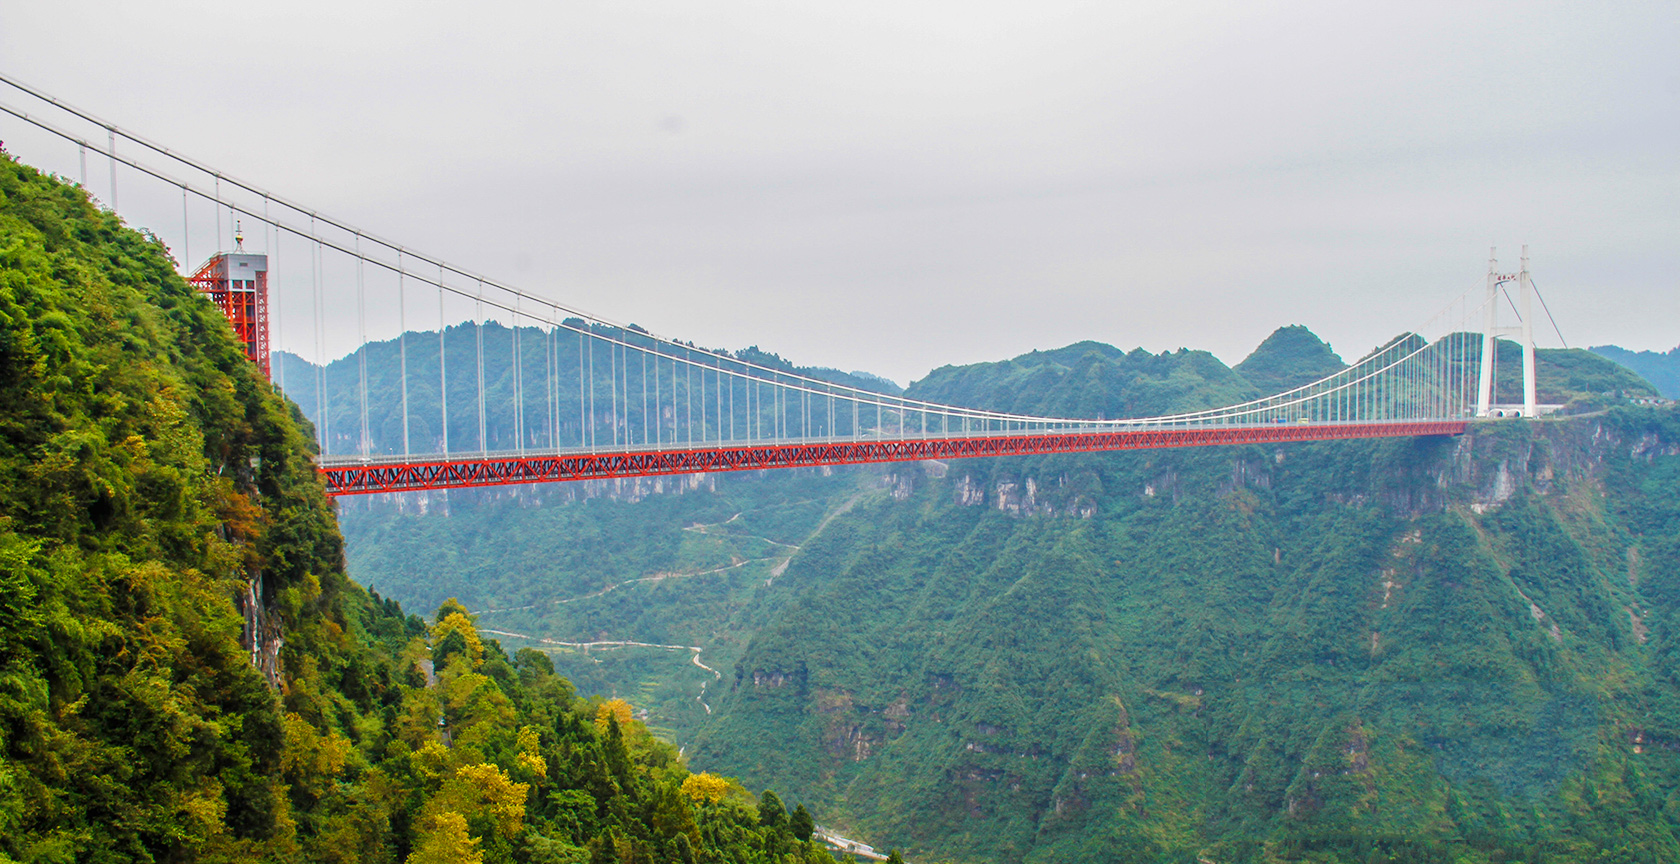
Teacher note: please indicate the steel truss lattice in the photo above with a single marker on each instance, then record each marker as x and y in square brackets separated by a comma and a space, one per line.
[501, 470]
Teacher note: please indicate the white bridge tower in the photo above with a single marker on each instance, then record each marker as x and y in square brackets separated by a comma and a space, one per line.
[1524, 331]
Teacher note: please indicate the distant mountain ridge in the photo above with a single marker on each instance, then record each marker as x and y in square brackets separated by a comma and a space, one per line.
[1327, 652]
[1290, 357]
[1661, 368]
[1084, 379]
[1322, 652]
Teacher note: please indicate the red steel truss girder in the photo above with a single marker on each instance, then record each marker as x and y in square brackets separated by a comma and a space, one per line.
[464, 472]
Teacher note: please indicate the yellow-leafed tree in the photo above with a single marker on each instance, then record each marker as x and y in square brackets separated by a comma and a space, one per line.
[616, 708]
[455, 634]
[530, 752]
[706, 786]
[444, 840]
[485, 797]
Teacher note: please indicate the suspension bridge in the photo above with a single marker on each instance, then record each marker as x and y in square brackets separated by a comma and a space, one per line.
[513, 387]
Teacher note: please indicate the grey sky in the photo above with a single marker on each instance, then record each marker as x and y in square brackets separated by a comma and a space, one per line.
[895, 186]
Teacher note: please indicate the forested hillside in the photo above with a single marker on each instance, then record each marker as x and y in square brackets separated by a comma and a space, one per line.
[1661, 368]
[1430, 650]
[186, 673]
[1289, 358]
[1435, 650]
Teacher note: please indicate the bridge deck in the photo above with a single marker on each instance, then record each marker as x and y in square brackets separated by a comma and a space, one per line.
[356, 476]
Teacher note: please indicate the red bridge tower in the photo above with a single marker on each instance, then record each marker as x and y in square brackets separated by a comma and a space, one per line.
[237, 282]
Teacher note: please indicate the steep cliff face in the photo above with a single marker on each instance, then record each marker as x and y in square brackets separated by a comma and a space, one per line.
[1133, 655]
[1436, 646]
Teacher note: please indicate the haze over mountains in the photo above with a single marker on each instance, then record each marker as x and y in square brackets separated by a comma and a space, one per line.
[1397, 650]
[1661, 368]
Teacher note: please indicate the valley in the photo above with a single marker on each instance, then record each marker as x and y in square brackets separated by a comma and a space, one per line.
[1122, 656]
[445, 452]
[1397, 649]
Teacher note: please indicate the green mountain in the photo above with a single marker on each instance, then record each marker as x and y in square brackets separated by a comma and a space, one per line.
[516, 361]
[1568, 376]
[1241, 655]
[1089, 379]
[1353, 651]
[1290, 357]
[1660, 368]
[186, 673]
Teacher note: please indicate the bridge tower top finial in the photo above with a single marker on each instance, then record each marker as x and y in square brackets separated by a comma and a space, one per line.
[238, 237]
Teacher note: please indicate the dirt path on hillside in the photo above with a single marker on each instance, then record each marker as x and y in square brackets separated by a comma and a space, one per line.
[776, 571]
[621, 643]
[779, 569]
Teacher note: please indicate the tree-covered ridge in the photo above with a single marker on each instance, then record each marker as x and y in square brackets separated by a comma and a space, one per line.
[164, 536]
[148, 473]
[1572, 377]
[1661, 368]
[1299, 653]
[1088, 379]
[1290, 357]
[1091, 379]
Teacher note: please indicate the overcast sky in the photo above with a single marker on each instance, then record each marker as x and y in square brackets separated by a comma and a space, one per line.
[896, 186]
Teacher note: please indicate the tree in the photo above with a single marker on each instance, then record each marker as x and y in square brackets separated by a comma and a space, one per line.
[604, 849]
[455, 634]
[894, 858]
[771, 813]
[802, 825]
[530, 755]
[617, 709]
[450, 607]
[485, 795]
[444, 840]
[705, 786]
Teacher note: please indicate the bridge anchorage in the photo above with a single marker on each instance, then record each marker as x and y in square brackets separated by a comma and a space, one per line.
[513, 387]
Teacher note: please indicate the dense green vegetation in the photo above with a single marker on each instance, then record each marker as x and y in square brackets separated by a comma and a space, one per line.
[1235, 670]
[186, 673]
[1089, 379]
[1329, 652]
[1289, 358]
[1661, 368]
[1578, 379]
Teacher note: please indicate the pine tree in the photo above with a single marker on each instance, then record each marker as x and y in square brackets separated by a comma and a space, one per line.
[771, 813]
[801, 824]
